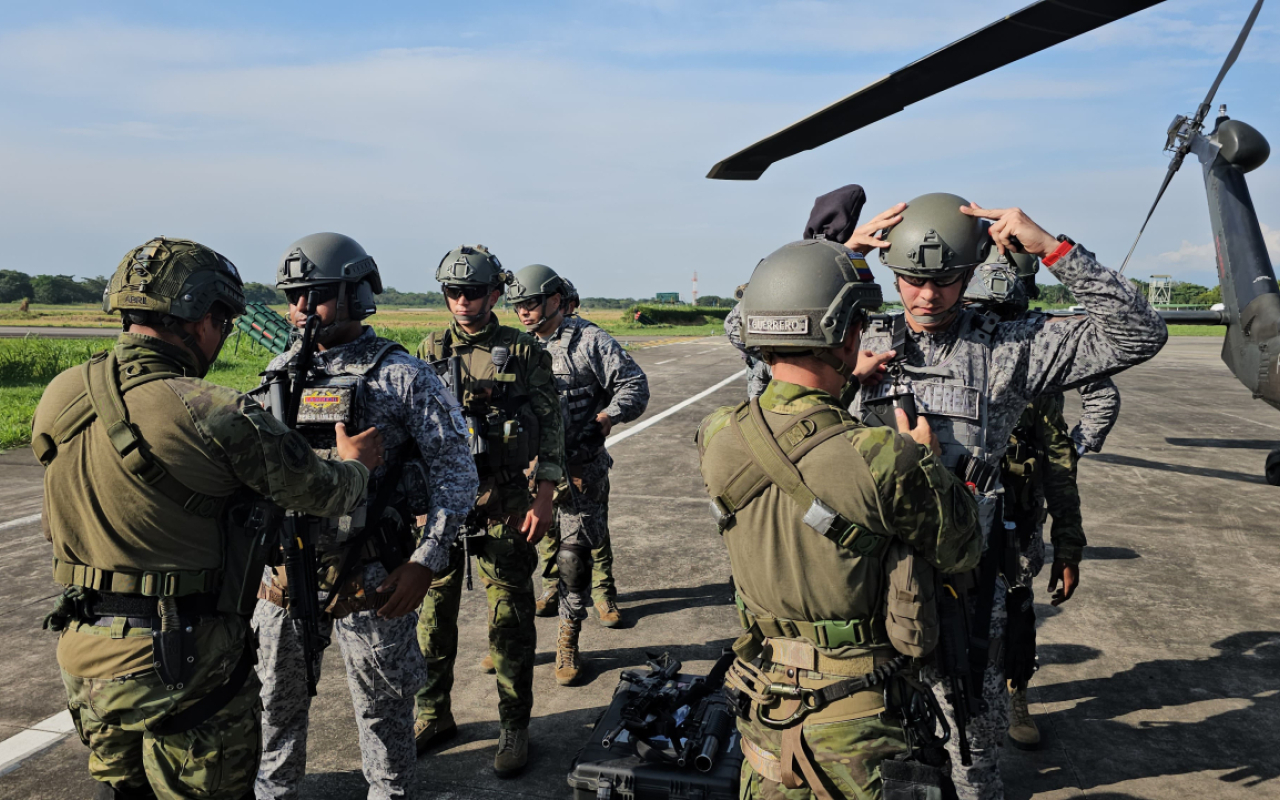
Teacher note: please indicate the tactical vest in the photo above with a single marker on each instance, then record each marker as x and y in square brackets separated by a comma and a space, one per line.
[581, 399]
[117, 464]
[953, 396]
[326, 401]
[499, 413]
[845, 576]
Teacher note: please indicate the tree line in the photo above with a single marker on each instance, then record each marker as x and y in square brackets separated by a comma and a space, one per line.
[16, 286]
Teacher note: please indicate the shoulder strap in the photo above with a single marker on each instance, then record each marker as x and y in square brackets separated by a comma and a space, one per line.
[107, 400]
[771, 464]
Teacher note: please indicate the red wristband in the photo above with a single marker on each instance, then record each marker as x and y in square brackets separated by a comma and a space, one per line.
[1063, 248]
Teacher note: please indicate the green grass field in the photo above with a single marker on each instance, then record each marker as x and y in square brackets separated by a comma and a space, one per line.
[27, 365]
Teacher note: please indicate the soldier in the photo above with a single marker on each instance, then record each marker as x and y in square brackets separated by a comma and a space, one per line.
[372, 574]
[1038, 470]
[973, 378]
[600, 385]
[504, 381]
[150, 476]
[814, 507]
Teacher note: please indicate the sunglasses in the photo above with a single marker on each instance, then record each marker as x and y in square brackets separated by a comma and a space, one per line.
[530, 303]
[470, 291]
[316, 294]
[917, 281]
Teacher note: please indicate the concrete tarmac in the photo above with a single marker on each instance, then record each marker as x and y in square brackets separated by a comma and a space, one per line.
[1159, 678]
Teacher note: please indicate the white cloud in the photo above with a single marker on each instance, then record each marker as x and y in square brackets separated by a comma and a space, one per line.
[1196, 254]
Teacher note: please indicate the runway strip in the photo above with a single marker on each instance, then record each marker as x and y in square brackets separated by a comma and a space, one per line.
[616, 438]
[42, 735]
[13, 523]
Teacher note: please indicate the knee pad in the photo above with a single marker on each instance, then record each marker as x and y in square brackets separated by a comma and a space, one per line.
[574, 563]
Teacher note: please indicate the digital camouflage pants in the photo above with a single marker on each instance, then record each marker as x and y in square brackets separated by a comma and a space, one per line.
[506, 563]
[582, 518]
[217, 759]
[384, 669]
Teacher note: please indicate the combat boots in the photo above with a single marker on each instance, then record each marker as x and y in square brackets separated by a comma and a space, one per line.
[568, 660]
[548, 603]
[1023, 733]
[429, 733]
[513, 752]
[610, 614]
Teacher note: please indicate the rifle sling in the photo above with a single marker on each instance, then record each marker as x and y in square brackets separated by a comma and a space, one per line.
[769, 463]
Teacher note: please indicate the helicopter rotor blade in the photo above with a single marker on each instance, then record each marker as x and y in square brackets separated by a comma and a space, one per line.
[1037, 27]
[1168, 176]
[1231, 60]
[1193, 126]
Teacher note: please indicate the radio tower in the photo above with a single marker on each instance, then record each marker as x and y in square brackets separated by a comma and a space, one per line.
[695, 287]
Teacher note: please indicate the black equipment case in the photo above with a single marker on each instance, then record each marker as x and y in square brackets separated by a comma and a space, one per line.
[617, 773]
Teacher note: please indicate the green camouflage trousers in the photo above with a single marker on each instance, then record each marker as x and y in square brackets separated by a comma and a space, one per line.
[506, 563]
[216, 759]
[602, 584]
[848, 754]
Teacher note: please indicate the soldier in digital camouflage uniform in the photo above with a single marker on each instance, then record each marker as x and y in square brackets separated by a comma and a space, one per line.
[508, 395]
[155, 649]
[973, 377]
[427, 471]
[1039, 475]
[600, 385]
[817, 510]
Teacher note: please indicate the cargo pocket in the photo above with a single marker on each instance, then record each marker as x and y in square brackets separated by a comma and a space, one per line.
[201, 753]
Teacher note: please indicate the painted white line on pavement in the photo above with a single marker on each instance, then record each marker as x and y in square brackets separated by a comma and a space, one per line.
[618, 437]
[13, 523]
[668, 361]
[39, 737]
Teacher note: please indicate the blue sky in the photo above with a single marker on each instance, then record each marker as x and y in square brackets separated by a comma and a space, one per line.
[577, 134]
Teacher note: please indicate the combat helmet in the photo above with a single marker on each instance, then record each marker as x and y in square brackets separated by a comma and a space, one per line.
[935, 239]
[471, 265]
[571, 299]
[804, 297]
[535, 280]
[169, 281]
[326, 258]
[1020, 268]
[997, 286]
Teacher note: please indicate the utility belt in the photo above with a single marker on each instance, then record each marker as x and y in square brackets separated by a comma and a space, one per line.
[828, 633]
[790, 685]
[172, 621]
[159, 583]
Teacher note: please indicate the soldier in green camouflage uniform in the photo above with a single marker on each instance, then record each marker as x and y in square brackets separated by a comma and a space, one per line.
[509, 401]
[815, 508]
[148, 470]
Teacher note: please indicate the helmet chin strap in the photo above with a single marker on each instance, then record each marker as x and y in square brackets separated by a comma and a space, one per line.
[829, 358]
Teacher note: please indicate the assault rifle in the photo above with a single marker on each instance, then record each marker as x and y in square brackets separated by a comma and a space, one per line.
[652, 713]
[963, 687]
[647, 713]
[296, 543]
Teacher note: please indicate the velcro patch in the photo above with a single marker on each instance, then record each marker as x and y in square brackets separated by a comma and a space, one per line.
[778, 326]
